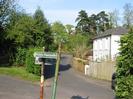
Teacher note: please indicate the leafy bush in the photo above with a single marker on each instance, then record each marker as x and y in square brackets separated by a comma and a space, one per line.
[78, 45]
[20, 56]
[124, 77]
[30, 61]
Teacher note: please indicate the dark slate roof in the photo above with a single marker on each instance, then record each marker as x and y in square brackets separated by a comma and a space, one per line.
[114, 31]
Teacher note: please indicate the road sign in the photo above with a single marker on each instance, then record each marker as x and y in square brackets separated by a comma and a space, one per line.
[51, 55]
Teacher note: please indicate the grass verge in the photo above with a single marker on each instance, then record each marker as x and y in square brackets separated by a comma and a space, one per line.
[19, 72]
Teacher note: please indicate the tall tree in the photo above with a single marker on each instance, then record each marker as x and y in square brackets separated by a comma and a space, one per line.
[114, 18]
[82, 21]
[20, 29]
[128, 15]
[42, 34]
[6, 7]
[93, 24]
[27, 31]
[102, 21]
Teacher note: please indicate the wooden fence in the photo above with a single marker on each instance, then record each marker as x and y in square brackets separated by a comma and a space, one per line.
[100, 70]
[79, 64]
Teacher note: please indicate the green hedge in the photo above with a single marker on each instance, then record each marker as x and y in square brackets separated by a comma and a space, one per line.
[124, 77]
[20, 56]
[30, 61]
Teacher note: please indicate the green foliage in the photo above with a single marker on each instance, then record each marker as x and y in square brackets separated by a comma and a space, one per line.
[69, 28]
[20, 30]
[31, 67]
[92, 24]
[124, 87]
[83, 21]
[20, 57]
[59, 32]
[19, 72]
[58, 27]
[26, 30]
[42, 31]
[78, 45]
[6, 6]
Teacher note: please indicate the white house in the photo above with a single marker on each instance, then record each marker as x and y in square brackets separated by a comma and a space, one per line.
[106, 44]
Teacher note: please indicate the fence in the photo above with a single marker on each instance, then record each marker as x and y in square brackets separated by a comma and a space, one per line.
[79, 64]
[100, 70]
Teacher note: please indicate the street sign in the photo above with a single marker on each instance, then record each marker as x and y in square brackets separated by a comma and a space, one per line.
[40, 58]
[37, 61]
[51, 55]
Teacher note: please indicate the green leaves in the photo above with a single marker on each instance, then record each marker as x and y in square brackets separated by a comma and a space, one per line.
[42, 34]
[6, 6]
[21, 30]
[26, 30]
[20, 57]
[59, 32]
[31, 67]
[92, 24]
[124, 88]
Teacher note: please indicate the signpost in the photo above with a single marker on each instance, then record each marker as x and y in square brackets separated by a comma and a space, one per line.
[42, 81]
[56, 73]
[40, 59]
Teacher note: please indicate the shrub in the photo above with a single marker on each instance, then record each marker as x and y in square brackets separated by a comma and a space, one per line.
[30, 61]
[78, 45]
[124, 77]
[20, 56]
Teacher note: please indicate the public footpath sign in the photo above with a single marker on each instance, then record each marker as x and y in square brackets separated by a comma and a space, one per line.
[51, 55]
[44, 55]
[40, 59]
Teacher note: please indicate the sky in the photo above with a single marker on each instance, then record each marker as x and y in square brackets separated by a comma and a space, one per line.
[66, 11]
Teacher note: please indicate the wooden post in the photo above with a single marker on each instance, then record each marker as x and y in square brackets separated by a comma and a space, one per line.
[42, 81]
[56, 73]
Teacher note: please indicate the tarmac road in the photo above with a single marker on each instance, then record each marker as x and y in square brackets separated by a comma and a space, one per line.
[71, 85]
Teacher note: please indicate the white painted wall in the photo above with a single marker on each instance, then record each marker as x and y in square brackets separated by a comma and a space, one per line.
[115, 45]
[101, 48]
[105, 48]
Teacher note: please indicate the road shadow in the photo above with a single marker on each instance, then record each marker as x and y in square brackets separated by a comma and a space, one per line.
[49, 70]
[64, 67]
[79, 97]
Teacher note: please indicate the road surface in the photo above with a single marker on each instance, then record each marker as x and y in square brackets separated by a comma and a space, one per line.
[71, 85]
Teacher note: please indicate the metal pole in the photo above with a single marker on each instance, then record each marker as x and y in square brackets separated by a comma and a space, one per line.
[42, 81]
[56, 73]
